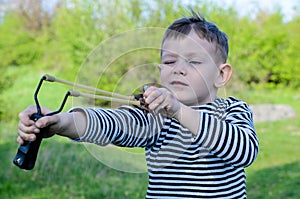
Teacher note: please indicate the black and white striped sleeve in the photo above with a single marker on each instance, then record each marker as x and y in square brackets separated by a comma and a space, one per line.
[126, 126]
[232, 138]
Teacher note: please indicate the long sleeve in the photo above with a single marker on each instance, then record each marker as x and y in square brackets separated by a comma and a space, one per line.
[126, 126]
[229, 133]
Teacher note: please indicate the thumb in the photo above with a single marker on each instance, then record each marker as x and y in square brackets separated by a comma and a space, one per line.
[46, 121]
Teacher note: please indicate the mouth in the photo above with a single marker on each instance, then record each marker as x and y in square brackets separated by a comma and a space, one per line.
[178, 83]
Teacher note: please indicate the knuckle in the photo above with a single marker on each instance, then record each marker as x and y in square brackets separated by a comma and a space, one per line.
[20, 115]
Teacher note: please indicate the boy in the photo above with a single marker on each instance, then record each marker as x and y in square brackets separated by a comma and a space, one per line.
[197, 145]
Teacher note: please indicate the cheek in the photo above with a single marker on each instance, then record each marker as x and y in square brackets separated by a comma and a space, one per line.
[164, 74]
[201, 82]
[205, 76]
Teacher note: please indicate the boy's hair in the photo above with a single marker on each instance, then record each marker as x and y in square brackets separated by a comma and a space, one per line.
[204, 29]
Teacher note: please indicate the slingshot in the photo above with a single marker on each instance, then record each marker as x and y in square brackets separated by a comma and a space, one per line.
[27, 153]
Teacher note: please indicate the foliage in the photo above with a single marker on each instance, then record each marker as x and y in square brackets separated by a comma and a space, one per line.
[60, 40]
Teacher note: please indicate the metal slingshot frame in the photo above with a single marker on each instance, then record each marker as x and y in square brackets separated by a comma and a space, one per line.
[27, 153]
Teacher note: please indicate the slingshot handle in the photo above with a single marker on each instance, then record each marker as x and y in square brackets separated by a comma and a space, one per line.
[27, 153]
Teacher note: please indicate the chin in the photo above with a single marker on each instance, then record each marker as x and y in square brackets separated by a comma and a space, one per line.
[188, 102]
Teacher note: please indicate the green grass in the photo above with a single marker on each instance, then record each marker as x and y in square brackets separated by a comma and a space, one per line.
[281, 181]
[65, 169]
[276, 172]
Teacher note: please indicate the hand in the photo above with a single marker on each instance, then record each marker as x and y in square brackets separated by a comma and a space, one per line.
[27, 128]
[162, 100]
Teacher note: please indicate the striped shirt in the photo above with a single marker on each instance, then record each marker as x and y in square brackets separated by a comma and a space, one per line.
[180, 164]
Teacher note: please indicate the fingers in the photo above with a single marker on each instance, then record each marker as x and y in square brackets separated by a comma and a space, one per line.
[24, 116]
[27, 128]
[153, 97]
[20, 140]
[27, 132]
[159, 99]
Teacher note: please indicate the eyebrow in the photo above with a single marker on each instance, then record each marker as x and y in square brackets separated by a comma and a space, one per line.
[166, 53]
[193, 54]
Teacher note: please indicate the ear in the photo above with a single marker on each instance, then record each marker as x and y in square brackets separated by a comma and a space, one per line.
[224, 75]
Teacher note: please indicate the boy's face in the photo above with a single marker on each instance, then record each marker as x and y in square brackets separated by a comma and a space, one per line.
[189, 69]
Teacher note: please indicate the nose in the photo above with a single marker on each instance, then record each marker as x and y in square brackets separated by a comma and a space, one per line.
[180, 67]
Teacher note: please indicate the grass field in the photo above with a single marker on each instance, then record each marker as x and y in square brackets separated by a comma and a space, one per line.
[66, 169]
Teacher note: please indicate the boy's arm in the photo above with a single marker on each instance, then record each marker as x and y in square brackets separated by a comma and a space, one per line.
[233, 139]
[71, 125]
[189, 118]
[126, 126]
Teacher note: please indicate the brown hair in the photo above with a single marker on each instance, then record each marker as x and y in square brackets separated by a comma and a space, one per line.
[204, 29]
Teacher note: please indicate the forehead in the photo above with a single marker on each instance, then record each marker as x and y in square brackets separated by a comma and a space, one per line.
[190, 44]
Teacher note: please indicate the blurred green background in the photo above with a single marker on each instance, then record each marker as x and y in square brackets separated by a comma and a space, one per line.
[36, 39]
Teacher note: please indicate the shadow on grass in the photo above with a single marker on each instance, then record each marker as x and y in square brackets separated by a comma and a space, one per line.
[278, 182]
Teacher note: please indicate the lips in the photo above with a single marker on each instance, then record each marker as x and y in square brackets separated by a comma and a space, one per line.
[178, 83]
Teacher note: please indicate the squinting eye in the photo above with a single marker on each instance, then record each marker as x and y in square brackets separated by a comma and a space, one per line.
[195, 62]
[169, 62]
